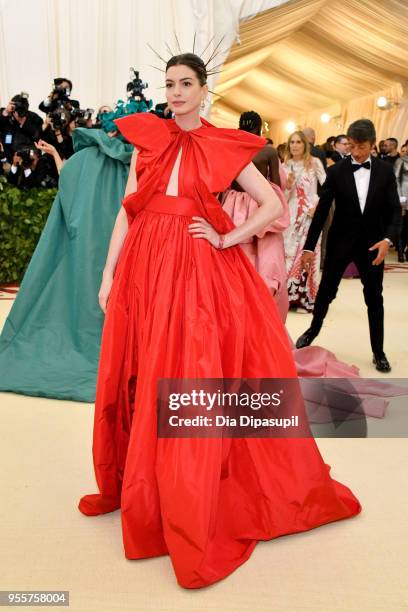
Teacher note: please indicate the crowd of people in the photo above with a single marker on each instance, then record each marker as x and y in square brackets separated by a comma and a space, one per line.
[357, 237]
[34, 148]
[332, 151]
[176, 307]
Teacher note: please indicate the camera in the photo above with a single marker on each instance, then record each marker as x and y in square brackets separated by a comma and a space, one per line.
[27, 155]
[59, 96]
[162, 110]
[62, 93]
[59, 117]
[81, 116]
[135, 87]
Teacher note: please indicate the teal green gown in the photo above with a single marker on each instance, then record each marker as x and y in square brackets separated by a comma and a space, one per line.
[50, 342]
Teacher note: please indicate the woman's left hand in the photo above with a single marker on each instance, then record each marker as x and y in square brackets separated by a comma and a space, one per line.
[202, 229]
[311, 212]
[45, 147]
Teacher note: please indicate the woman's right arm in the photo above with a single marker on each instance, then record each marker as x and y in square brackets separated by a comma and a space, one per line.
[269, 205]
[290, 181]
[119, 232]
[50, 150]
[273, 163]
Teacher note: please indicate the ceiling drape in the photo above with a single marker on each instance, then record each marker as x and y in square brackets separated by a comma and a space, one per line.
[313, 56]
[296, 59]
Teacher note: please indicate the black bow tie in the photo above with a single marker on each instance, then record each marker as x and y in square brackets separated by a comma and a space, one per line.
[358, 166]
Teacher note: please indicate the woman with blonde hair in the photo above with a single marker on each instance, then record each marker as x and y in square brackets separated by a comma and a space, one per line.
[303, 173]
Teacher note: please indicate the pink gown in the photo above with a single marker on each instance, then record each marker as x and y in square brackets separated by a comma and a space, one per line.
[265, 250]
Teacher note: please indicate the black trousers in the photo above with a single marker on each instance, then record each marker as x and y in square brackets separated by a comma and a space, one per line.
[403, 237]
[372, 280]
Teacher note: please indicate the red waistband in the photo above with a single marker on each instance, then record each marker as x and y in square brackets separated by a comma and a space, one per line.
[173, 205]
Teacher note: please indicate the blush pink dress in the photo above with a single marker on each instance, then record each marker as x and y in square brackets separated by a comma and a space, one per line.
[265, 250]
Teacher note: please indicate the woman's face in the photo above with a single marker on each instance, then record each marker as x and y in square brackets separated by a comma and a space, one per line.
[183, 90]
[296, 146]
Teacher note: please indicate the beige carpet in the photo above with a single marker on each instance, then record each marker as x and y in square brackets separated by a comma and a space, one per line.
[350, 566]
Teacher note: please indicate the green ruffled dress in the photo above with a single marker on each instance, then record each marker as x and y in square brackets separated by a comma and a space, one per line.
[51, 339]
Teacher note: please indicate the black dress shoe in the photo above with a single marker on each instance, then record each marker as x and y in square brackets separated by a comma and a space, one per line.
[306, 338]
[381, 363]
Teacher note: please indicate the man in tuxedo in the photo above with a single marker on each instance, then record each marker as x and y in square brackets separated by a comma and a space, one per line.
[341, 148]
[366, 220]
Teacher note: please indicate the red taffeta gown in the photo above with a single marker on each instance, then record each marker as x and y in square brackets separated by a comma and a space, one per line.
[179, 308]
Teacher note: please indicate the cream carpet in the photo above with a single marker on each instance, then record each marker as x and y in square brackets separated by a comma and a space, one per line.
[349, 566]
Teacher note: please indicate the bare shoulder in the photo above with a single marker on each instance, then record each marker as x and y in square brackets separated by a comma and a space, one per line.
[266, 154]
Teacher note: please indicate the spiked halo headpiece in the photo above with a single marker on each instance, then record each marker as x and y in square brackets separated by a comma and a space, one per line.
[210, 71]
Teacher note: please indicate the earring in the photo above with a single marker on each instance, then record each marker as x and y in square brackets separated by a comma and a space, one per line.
[202, 105]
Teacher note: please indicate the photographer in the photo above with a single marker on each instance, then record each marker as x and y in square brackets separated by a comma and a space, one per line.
[19, 126]
[82, 117]
[57, 144]
[59, 125]
[4, 162]
[59, 96]
[30, 169]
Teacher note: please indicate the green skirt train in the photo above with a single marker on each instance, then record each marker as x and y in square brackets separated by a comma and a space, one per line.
[50, 342]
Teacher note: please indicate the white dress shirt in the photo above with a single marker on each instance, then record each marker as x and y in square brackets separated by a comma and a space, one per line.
[362, 180]
[14, 169]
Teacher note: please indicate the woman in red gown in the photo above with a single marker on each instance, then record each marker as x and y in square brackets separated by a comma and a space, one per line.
[182, 300]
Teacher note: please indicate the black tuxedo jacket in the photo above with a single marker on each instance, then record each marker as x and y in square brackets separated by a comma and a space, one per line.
[350, 227]
[336, 157]
[316, 152]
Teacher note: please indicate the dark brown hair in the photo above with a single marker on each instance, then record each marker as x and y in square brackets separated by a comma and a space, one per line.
[250, 121]
[362, 130]
[192, 61]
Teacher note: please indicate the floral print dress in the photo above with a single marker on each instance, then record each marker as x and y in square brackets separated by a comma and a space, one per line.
[302, 198]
